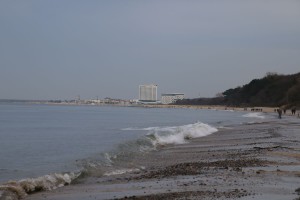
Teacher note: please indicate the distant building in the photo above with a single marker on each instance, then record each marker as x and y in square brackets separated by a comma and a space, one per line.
[148, 93]
[171, 98]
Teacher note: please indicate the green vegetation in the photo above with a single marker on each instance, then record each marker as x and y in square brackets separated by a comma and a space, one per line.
[271, 90]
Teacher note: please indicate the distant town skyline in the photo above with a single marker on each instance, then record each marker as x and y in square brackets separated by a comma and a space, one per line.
[62, 49]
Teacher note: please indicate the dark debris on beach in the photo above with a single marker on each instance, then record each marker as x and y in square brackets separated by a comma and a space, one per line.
[190, 195]
[194, 168]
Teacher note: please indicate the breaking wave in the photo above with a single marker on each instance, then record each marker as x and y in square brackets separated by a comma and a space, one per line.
[175, 134]
[118, 160]
[111, 163]
[179, 134]
[20, 189]
[255, 115]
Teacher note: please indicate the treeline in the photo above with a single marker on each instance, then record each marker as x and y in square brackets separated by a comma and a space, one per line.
[272, 90]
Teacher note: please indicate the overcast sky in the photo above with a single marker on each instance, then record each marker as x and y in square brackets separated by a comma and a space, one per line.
[58, 49]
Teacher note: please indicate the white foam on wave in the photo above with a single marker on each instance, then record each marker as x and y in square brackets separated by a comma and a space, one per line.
[138, 129]
[120, 171]
[130, 129]
[179, 134]
[255, 115]
[48, 182]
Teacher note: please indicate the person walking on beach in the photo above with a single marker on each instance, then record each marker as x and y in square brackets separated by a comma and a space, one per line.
[279, 113]
[293, 111]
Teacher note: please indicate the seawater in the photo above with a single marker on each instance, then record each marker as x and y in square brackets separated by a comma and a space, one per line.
[54, 143]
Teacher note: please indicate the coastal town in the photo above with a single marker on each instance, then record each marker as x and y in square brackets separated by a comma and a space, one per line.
[148, 94]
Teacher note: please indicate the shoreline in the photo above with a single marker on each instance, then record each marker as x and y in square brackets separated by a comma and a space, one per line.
[217, 107]
[228, 108]
[197, 107]
[251, 161]
[262, 109]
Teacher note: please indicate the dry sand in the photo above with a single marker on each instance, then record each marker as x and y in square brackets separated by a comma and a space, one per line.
[251, 161]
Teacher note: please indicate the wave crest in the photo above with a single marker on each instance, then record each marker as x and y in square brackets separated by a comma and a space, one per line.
[179, 134]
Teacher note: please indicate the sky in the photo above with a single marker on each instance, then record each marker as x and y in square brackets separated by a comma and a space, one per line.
[59, 49]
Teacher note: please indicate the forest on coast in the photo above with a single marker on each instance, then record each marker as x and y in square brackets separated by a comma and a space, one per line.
[272, 90]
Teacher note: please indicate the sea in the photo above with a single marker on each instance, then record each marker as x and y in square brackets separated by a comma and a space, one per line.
[48, 146]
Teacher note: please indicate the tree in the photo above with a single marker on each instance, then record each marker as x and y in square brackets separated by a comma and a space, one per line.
[293, 95]
[271, 74]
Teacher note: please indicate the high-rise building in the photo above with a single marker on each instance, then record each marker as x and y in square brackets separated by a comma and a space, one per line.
[148, 93]
[171, 98]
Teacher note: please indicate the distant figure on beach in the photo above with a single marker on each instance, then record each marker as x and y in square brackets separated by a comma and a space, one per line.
[279, 113]
[293, 111]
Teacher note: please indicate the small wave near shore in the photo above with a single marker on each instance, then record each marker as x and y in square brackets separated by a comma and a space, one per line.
[154, 137]
[14, 190]
[179, 134]
[175, 134]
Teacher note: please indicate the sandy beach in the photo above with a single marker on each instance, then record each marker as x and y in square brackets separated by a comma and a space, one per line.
[249, 161]
[220, 107]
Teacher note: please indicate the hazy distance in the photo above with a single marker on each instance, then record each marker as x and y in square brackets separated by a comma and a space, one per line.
[61, 49]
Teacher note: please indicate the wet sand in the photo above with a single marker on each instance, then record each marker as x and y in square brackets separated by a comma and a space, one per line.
[250, 161]
[219, 107]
